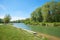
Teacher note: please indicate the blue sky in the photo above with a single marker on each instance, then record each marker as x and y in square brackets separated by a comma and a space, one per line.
[19, 9]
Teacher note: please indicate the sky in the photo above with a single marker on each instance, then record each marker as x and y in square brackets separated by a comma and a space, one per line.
[19, 9]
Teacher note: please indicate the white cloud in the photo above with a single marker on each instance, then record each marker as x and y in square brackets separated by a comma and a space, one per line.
[2, 17]
[16, 18]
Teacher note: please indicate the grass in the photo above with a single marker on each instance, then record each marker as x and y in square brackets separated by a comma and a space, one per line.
[8, 32]
[55, 31]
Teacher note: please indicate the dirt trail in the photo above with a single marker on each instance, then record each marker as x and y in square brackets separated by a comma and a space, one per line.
[48, 36]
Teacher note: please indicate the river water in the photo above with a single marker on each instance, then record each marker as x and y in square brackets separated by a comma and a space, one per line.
[22, 26]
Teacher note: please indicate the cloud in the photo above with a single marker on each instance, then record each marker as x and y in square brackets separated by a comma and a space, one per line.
[2, 17]
[16, 18]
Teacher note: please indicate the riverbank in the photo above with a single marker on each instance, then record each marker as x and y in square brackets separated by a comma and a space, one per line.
[54, 31]
[40, 31]
[8, 32]
[42, 35]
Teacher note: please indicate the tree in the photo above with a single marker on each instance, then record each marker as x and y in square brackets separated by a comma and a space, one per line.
[39, 15]
[1, 20]
[36, 15]
[55, 11]
[49, 12]
[33, 16]
[7, 18]
[45, 12]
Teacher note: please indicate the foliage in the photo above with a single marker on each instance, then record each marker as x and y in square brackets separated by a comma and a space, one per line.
[49, 12]
[7, 19]
[36, 15]
[1, 20]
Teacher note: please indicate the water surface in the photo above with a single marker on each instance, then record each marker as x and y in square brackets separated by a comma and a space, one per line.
[21, 25]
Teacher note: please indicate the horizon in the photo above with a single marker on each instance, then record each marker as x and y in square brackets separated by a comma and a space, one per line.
[19, 9]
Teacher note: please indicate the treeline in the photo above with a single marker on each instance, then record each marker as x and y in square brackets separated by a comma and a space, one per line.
[17, 21]
[1, 20]
[6, 19]
[49, 12]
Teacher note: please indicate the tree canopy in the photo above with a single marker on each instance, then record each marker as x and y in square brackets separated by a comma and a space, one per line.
[49, 12]
[7, 18]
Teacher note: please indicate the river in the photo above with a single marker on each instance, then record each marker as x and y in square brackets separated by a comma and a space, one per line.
[22, 26]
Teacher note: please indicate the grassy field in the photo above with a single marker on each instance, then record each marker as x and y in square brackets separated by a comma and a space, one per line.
[54, 31]
[8, 32]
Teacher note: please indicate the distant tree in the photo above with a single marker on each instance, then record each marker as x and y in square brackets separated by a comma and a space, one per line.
[7, 18]
[18, 21]
[27, 20]
[1, 20]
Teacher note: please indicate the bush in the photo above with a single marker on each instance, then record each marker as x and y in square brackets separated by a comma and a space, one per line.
[43, 24]
[56, 24]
